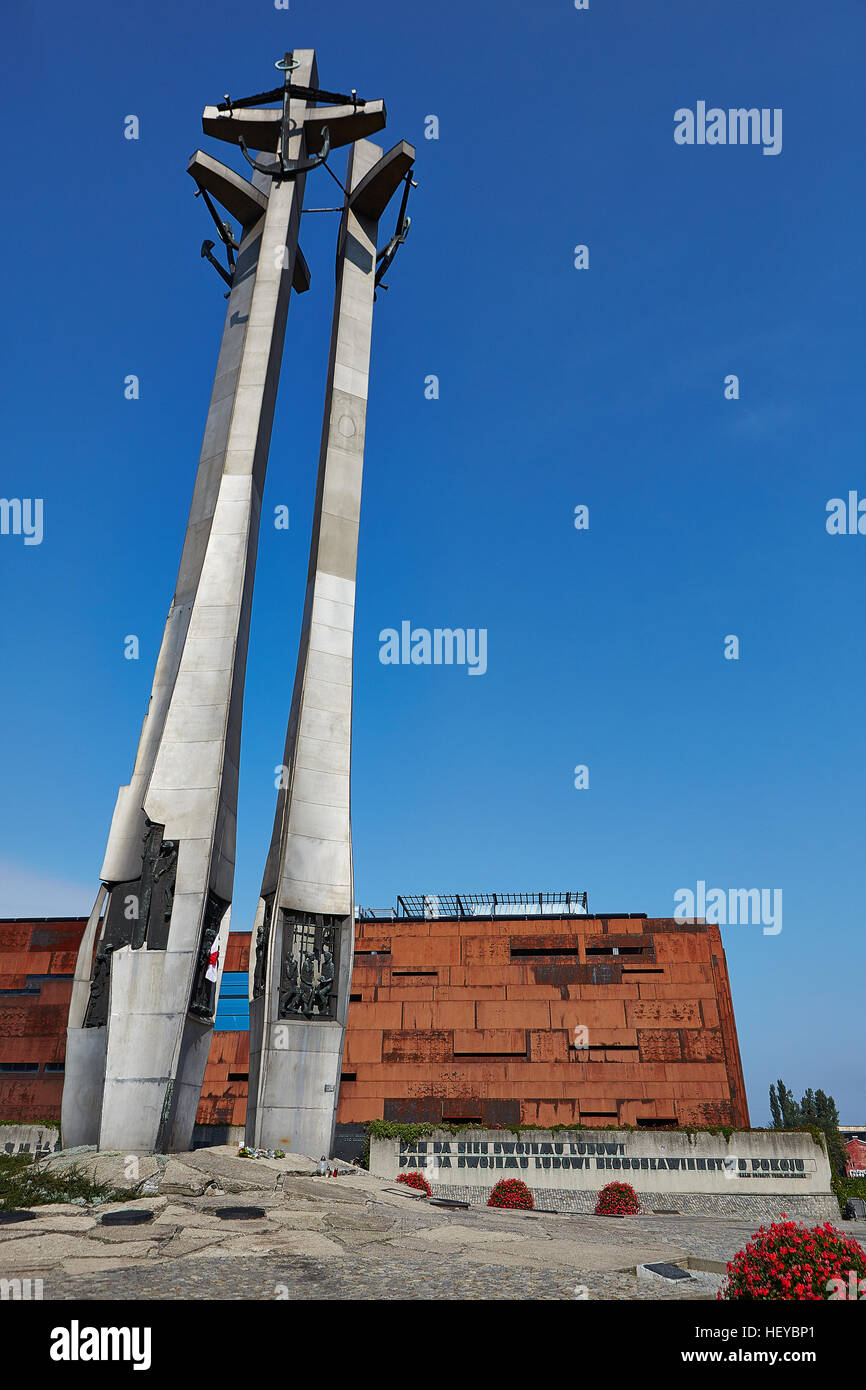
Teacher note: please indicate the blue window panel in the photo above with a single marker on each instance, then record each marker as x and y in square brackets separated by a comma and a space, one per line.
[232, 1023]
[233, 1010]
[234, 984]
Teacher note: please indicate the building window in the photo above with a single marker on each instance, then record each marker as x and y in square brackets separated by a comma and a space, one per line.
[55, 1067]
[614, 951]
[12, 1068]
[34, 984]
[541, 952]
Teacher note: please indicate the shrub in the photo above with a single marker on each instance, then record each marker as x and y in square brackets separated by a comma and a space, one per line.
[511, 1193]
[617, 1199]
[24, 1182]
[418, 1181]
[790, 1261]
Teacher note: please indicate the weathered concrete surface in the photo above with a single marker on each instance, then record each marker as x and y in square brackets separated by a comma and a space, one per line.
[295, 1061]
[353, 1236]
[134, 1082]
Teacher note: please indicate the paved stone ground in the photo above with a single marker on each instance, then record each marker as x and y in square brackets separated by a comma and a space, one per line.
[359, 1277]
[355, 1237]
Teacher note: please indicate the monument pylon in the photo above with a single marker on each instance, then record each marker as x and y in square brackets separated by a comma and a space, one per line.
[302, 965]
[147, 974]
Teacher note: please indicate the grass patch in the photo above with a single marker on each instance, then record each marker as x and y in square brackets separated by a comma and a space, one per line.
[24, 1182]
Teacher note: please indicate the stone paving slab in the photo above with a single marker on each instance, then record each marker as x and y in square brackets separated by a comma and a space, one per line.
[353, 1237]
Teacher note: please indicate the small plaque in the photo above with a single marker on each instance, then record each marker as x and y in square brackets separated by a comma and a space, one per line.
[668, 1271]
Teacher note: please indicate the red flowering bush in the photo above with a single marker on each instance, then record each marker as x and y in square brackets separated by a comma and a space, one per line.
[511, 1193]
[617, 1199]
[418, 1181]
[790, 1261]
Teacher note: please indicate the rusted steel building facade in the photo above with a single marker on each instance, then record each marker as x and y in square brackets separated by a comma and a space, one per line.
[548, 1019]
[458, 1012]
[37, 963]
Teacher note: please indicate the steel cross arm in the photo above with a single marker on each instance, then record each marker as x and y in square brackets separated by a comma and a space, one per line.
[276, 94]
[261, 129]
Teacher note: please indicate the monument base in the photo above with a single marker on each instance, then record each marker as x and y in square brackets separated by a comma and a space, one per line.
[296, 1110]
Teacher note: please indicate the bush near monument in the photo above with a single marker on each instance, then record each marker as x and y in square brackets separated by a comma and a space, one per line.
[25, 1183]
[617, 1199]
[511, 1193]
[418, 1181]
[790, 1261]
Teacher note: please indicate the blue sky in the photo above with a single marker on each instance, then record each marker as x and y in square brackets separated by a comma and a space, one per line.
[558, 387]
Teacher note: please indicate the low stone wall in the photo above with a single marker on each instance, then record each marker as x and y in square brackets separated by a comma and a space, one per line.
[753, 1175]
[756, 1210]
[20, 1139]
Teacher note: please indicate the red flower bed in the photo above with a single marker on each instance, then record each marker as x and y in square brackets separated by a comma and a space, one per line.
[790, 1261]
[512, 1193]
[617, 1199]
[418, 1181]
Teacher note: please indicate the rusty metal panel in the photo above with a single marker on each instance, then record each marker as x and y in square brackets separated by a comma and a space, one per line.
[413, 1111]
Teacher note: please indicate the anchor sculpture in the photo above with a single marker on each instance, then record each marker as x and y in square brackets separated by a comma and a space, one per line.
[287, 168]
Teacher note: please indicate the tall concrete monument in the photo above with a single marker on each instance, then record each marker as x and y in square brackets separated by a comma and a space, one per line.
[302, 966]
[148, 970]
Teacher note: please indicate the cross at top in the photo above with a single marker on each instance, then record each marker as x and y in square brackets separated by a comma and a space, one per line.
[252, 125]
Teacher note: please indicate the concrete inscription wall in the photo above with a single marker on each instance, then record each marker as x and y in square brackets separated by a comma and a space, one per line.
[585, 1161]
